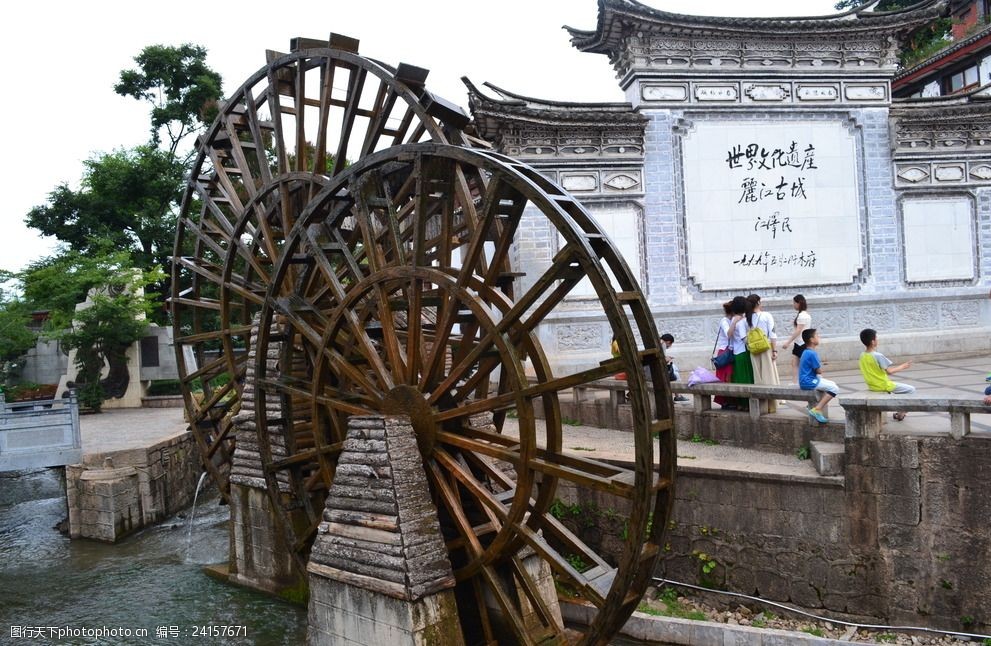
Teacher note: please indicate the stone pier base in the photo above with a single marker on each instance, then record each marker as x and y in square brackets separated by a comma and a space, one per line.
[259, 557]
[348, 615]
[379, 572]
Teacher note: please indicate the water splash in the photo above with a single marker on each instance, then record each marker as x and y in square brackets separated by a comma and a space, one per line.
[192, 515]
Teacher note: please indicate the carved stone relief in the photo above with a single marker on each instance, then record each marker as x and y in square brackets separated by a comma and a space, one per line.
[913, 174]
[981, 172]
[621, 181]
[664, 92]
[960, 314]
[953, 173]
[875, 316]
[865, 93]
[832, 321]
[915, 316]
[762, 52]
[716, 93]
[580, 183]
[818, 92]
[768, 92]
[580, 337]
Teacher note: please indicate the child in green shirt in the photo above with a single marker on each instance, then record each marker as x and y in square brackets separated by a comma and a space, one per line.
[876, 368]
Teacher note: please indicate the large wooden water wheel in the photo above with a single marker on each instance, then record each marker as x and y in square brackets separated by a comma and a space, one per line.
[382, 283]
[394, 294]
[298, 121]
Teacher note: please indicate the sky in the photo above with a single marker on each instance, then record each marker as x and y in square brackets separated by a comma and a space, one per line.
[63, 58]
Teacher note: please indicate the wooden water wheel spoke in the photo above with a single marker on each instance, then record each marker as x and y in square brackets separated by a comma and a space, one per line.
[501, 514]
[209, 370]
[248, 180]
[557, 561]
[452, 504]
[414, 346]
[385, 99]
[483, 612]
[189, 339]
[556, 385]
[507, 606]
[327, 70]
[227, 187]
[274, 104]
[340, 363]
[535, 599]
[257, 138]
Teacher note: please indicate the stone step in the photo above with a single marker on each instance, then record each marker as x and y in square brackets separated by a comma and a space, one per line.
[827, 457]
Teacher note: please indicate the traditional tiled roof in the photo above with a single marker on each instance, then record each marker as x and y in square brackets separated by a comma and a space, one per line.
[976, 100]
[616, 16]
[489, 112]
[946, 56]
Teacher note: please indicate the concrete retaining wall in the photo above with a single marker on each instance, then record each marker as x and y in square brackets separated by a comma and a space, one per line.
[902, 537]
[117, 493]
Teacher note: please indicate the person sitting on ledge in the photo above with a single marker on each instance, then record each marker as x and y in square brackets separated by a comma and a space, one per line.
[809, 371]
[875, 368]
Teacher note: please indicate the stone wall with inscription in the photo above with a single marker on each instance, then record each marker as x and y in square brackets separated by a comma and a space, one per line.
[773, 160]
[771, 204]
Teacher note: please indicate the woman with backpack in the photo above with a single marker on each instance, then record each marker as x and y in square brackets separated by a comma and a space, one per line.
[761, 343]
[743, 371]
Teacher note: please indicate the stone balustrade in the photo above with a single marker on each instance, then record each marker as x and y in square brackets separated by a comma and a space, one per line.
[39, 433]
[865, 414]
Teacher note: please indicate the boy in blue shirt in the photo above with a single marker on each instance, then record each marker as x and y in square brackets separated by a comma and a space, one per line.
[809, 370]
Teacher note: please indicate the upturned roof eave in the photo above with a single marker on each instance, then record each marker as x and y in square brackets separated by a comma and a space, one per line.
[605, 38]
[521, 108]
[978, 98]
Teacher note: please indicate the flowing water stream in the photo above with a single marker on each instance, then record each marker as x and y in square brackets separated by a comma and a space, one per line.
[151, 581]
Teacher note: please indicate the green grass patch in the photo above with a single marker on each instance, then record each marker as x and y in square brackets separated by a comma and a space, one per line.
[667, 605]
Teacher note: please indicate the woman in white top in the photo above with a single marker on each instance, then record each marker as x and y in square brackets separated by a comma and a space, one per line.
[724, 373]
[803, 321]
[764, 364]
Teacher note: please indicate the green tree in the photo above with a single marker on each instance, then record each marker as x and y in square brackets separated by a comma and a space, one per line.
[15, 336]
[57, 283]
[182, 90]
[102, 332]
[127, 199]
[923, 42]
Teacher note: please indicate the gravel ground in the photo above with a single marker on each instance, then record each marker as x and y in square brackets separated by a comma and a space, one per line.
[667, 602]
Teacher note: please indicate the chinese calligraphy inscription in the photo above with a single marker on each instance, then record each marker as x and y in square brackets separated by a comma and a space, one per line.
[771, 204]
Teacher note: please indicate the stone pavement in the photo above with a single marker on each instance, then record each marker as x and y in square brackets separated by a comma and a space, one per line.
[123, 429]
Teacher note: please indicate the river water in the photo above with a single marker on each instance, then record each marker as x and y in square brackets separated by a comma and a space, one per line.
[152, 581]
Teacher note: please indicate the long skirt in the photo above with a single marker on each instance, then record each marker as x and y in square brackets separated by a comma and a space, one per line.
[766, 374]
[743, 373]
[725, 375]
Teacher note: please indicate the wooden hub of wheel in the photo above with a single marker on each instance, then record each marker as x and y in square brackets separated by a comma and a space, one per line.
[409, 401]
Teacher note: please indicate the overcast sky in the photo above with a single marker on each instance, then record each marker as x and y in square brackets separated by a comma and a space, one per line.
[62, 59]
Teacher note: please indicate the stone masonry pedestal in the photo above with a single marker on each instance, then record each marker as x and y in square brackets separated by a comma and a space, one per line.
[379, 571]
